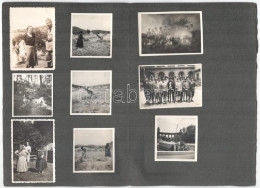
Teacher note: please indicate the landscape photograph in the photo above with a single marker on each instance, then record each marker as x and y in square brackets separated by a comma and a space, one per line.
[91, 35]
[91, 92]
[93, 150]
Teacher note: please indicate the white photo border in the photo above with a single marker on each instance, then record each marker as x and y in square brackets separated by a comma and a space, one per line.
[195, 117]
[13, 94]
[111, 33]
[96, 171]
[54, 149]
[171, 12]
[54, 44]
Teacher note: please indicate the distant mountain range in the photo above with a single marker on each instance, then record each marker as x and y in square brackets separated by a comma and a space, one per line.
[76, 30]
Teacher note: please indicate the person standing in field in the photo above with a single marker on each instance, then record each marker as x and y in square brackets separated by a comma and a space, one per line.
[107, 150]
[49, 43]
[30, 46]
[80, 43]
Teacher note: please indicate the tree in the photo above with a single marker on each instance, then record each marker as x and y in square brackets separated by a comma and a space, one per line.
[38, 133]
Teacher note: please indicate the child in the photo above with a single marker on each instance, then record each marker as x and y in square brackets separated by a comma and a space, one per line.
[41, 163]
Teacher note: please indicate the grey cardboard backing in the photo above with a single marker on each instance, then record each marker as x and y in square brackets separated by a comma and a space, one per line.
[226, 122]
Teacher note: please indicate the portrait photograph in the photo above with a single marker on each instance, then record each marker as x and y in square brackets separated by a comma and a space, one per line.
[32, 38]
[91, 35]
[170, 86]
[33, 151]
[32, 94]
[93, 150]
[176, 138]
[170, 33]
[91, 92]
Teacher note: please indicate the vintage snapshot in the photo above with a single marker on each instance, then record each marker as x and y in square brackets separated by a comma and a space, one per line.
[32, 94]
[91, 35]
[93, 150]
[170, 33]
[33, 151]
[91, 92]
[170, 86]
[32, 38]
[176, 138]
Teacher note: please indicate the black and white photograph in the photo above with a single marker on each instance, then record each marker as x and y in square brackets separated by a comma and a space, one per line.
[32, 94]
[91, 92]
[33, 151]
[170, 33]
[93, 150]
[32, 38]
[170, 86]
[176, 138]
[91, 35]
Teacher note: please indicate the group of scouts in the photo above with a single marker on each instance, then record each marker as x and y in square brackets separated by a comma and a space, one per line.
[158, 36]
[167, 90]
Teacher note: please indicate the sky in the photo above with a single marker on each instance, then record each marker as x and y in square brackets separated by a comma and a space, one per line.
[174, 124]
[155, 20]
[95, 137]
[20, 18]
[90, 78]
[92, 22]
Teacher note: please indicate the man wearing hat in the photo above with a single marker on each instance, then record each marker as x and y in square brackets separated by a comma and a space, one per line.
[49, 43]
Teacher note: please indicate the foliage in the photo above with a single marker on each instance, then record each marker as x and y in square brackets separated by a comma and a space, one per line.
[188, 134]
[38, 133]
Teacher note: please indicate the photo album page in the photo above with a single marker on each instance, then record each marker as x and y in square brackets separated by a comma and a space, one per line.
[120, 94]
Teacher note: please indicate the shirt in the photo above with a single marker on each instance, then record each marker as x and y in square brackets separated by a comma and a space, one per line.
[30, 41]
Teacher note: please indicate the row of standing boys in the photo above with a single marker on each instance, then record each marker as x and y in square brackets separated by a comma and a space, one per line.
[167, 90]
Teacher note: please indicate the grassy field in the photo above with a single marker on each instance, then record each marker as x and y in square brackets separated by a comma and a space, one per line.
[92, 47]
[97, 104]
[32, 173]
[28, 107]
[94, 161]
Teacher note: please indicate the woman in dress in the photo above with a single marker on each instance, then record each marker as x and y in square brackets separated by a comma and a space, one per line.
[29, 150]
[80, 43]
[22, 162]
[41, 163]
[107, 150]
[29, 39]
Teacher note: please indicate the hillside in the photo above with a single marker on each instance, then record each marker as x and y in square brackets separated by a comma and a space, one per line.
[76, 30]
